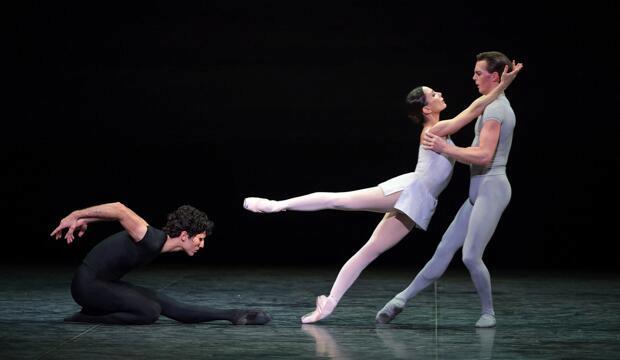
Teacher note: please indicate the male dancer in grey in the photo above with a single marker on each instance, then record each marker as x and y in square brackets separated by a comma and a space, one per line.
[489, 194]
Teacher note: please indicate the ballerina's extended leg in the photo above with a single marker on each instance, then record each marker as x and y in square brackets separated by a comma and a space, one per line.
[370, 199]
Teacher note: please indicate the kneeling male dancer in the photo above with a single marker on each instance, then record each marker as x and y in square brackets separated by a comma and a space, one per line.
[97, 284]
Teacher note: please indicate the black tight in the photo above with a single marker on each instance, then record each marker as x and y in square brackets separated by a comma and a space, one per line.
[119, 302]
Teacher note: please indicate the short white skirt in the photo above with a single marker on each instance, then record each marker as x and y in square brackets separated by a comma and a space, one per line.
[415, 200]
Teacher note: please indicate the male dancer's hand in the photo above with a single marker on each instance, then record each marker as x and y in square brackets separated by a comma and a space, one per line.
[72, 223]
[433, 142]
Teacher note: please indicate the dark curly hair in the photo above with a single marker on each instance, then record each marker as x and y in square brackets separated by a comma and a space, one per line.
[190, 219]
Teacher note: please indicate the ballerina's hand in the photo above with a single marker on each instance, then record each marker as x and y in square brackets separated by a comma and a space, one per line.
[509, 76]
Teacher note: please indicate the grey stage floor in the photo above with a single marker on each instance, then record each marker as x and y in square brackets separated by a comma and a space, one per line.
[540, 316]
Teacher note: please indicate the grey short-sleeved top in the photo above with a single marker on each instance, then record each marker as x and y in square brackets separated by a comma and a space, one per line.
[501, 111]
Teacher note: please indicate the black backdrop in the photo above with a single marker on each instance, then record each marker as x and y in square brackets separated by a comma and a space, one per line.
[159, 106]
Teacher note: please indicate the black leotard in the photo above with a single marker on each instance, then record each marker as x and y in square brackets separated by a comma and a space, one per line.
[104, 298]
[119, 253]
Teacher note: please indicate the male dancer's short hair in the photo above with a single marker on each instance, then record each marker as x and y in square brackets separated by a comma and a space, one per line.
[496, 61]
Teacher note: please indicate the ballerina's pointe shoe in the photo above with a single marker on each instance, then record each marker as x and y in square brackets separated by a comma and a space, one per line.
[324, 307]
[260, 205]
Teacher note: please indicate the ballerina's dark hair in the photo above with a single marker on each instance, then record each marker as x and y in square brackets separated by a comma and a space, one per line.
[415, 101]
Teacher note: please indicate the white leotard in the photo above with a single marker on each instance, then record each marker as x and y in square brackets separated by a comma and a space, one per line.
[421, 188]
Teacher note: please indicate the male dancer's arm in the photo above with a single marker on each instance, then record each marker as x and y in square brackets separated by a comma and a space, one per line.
[450, 126]
[79, 219]
[478, 155]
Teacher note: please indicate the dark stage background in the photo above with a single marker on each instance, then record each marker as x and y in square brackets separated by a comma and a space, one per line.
[160, 106]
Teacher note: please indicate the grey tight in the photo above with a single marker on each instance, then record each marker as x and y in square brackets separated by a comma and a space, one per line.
[471, 229]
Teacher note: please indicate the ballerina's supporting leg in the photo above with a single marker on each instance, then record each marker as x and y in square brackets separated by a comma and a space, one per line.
[388, 233]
